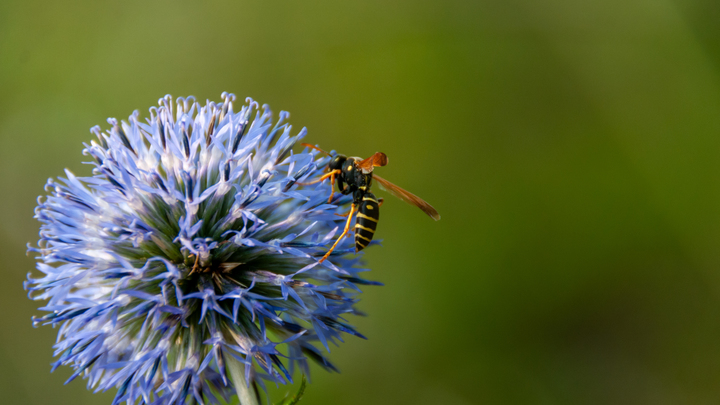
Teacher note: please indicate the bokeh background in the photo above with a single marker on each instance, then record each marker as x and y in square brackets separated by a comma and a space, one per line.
[572, 147]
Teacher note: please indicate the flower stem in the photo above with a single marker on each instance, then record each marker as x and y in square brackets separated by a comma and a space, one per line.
[237, 374]
[294, 400]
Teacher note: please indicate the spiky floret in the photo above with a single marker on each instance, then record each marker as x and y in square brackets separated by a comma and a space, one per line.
[190, 248]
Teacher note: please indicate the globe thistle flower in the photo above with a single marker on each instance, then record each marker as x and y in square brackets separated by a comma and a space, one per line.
[185, 270]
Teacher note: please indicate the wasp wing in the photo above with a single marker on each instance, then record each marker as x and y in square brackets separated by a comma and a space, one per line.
[407, 196]
[377, 160]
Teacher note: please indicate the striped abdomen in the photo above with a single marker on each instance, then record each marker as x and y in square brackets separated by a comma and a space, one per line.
[366, 221]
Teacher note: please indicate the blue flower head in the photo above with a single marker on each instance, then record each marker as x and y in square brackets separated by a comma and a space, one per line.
[192, 253]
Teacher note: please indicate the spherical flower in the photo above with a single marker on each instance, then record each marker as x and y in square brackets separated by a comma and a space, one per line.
[186, 268]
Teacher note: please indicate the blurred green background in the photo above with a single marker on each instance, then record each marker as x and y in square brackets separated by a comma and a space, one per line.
[571, 146]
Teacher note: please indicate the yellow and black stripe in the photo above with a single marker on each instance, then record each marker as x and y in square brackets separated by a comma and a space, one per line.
[366, 221]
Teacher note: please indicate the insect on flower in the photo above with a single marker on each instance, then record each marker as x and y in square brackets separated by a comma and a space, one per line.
[355, 175]
[183, 269]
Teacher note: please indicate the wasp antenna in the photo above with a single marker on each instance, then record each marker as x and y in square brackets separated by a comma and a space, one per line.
[315, 147]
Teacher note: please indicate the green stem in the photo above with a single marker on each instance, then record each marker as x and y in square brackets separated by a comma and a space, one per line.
[237, 374]
[299, 394]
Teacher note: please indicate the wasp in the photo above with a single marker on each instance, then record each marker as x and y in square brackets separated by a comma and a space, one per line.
[355, 175]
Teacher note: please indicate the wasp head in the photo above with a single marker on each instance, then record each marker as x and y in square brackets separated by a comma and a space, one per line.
[337, 162]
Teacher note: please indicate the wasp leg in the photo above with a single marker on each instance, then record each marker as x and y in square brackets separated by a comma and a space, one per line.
[344, 191]
[347, 228]
[345, 215]
[380, 202]
[325, 176]
[332, 186]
